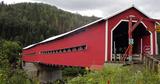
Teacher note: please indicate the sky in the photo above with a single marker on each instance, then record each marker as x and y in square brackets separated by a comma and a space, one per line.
[100, 8]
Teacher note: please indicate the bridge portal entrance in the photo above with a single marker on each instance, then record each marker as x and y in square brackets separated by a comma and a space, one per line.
[141, 40]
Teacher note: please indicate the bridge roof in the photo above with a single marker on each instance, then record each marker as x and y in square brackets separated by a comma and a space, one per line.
[67, 33]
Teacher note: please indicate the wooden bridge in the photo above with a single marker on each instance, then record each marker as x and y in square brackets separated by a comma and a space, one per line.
[129, 32]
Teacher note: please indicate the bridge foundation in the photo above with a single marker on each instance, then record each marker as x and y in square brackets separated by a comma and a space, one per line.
[49, 74]
[45, 73]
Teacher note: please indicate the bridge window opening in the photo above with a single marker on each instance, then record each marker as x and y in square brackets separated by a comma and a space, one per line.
[46, 52]
[65, 50]
[58, 51]
[49, 51]
[62, 50]
[80, 48]
[53, 52]
[30, 54]
[120, 38]
[84, 47]
[77, 49]
[69, 50]
[74, 49]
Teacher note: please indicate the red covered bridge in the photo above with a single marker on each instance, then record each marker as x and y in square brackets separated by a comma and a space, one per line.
[97, 42]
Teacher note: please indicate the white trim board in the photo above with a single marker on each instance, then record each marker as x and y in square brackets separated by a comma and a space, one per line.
[106, 41]
[156, 42]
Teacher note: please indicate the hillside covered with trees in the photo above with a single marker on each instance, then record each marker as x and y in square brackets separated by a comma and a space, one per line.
[32, 22]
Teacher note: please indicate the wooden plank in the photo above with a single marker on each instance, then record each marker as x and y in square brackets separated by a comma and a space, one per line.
[152, 63]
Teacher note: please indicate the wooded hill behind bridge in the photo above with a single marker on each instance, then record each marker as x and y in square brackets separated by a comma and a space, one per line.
[33, 22]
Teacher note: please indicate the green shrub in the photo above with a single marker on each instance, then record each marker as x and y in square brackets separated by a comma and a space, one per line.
[118, 75]
[10, 72]
[73, 71]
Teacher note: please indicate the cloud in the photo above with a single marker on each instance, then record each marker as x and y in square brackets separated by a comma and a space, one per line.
[150, 7]
[106, 7]
[101, 8]
[93, 7]
[84, 4]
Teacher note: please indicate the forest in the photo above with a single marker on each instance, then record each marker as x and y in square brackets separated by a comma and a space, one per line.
[29, 23]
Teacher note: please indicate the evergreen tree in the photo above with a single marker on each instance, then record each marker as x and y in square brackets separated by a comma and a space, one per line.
[32, 22]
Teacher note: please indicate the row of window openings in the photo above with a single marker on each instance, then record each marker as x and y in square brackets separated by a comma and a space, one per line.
[30, 54]
[72, 49]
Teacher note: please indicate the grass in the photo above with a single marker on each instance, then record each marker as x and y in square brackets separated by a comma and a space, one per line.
[118, 74]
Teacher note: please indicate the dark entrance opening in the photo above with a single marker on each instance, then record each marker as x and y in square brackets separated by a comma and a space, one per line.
[120, 38]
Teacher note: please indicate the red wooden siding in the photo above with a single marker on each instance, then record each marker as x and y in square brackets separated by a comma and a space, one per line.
[92, 37]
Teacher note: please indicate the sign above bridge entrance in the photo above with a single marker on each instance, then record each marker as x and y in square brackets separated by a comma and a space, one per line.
[158, 28]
